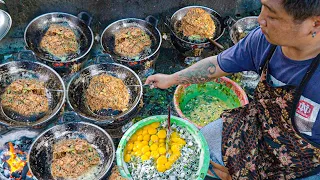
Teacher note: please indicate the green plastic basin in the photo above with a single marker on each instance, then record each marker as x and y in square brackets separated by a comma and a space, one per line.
[195, 132]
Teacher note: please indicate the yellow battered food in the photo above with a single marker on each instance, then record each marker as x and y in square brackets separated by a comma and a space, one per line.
[26, 97]
[59, 41]
[197, 22]
[131, 41]
[73, 158]
[105, 92]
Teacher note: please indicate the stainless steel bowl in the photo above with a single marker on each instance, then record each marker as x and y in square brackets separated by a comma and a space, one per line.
[37, 28]
[5, 23]
[240, 28]
[198, 47]
[27, 68]
[145, 63]
[79, 83]
[40, 153]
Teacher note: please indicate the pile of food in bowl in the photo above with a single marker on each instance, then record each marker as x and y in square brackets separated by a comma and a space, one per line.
[75, 150]
[31, 94]
[26, 97]
[202, 104]
[197, 25]
[105, 94]
[131, 41]
[60, 41]
[73, 157]
[105, 91]
[148, 155]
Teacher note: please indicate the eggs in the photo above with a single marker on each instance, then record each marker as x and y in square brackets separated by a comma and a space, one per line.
[185, 157]
[149, 143]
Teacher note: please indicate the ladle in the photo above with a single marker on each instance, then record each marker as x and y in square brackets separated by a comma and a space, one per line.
[168, 128]
[139, 85]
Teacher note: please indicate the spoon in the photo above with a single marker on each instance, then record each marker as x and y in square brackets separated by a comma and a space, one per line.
[168, 128]
[55, 90]
[151, 85]
[139, 85]
[215, 43]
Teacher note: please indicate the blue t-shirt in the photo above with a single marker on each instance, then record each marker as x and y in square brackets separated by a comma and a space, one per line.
[250, 53]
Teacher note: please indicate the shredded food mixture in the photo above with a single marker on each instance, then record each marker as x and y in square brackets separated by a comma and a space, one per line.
[59, 41]
[73, 158]
[26, 97]
[115, 174]
[197, 22]
[106, 92]
[131, 41]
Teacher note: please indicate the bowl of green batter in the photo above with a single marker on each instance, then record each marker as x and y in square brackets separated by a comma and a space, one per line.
[203, 103]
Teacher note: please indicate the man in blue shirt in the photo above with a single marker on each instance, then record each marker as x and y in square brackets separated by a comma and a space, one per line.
[285, 146]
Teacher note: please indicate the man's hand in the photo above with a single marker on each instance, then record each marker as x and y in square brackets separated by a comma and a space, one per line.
[162, 81]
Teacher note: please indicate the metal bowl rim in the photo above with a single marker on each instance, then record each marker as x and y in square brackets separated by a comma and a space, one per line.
[191, 43]
[103, 64]
[134, 19]
[67, 14]
[61, 81]
[9, 25]
[231, 32]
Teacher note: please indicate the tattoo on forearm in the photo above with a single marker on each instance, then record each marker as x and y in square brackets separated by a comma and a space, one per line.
[198, 73]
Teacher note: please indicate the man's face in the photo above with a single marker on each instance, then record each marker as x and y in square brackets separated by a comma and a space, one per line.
[280, 28]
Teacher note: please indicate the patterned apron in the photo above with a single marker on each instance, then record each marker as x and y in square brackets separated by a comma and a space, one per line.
[261, 141]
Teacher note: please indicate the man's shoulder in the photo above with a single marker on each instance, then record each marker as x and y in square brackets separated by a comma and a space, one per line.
[259, 46]
[255, 42]
[246, 55]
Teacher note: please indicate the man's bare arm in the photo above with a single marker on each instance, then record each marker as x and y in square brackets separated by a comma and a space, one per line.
[203, 71]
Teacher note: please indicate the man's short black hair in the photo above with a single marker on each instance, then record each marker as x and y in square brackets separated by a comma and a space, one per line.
[302, 9]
